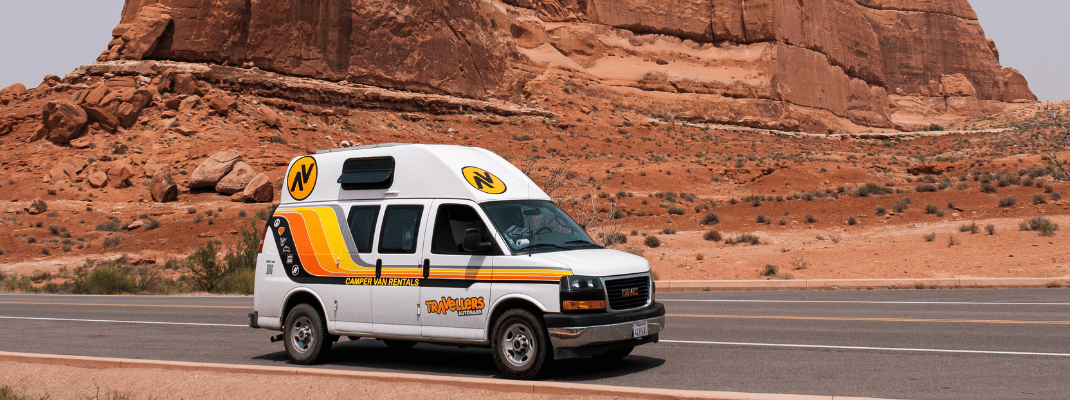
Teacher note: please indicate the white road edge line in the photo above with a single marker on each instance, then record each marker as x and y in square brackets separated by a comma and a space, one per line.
[124, 322]
[860, 302]
[817, 346]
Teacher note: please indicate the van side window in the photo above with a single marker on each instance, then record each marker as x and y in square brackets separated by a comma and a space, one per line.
[450, 224]
[362, 224]
[400, 226]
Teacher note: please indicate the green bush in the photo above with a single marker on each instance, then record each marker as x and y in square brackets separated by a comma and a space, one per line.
[106, 279]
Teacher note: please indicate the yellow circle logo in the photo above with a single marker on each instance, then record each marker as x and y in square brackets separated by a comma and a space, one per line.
[302, 178]
[485, 181]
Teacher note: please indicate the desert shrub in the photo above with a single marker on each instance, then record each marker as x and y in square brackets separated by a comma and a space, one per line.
[1007, 179]
[762, 219]
[191, 210]
[931, 209]
[711, 218]
[770, 270]
[872, 189]
[810, 218]
[712, 235]
[1039, 199]
[952, 241]
[971, 227]
[676, 210]
[925, 187]
[652, 241]
[668, 231]
[1008, 201]
[113, 225]
[881, 210]
[105, 279]
[901, 205]
[852, 221]
[614, 238]
[745, 238]
[152, 224]
[991, 229]
[929, 237]
[988, 187]
[111, 241]
[1039, 224]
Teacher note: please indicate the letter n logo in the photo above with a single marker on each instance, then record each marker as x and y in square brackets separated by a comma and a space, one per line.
[302, 177]
[483, 181]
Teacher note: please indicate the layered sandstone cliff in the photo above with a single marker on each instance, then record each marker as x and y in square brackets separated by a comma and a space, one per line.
[788, 64]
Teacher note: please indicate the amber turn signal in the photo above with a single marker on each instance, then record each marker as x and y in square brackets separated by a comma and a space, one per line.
[576, 305]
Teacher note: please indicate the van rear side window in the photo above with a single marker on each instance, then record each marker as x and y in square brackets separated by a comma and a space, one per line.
[400, 226]
[362, 225]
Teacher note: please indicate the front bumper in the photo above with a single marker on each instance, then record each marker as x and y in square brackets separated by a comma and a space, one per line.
[578, 335]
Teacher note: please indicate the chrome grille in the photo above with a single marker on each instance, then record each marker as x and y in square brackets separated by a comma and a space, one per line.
[628, 292]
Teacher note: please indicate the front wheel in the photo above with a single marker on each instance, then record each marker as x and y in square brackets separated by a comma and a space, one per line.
[306, 335]
[520, 344]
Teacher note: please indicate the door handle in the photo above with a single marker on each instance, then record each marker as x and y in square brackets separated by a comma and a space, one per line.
[427, 268]
[378, 267]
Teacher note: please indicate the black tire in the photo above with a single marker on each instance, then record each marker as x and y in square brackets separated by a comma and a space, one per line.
[399, 344]
[615, 354]
[305, 335]
[520, 344]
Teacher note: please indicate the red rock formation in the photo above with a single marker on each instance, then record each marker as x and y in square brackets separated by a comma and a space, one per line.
[805, 65]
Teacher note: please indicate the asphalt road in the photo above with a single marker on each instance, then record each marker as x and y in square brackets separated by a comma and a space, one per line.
[911, 344]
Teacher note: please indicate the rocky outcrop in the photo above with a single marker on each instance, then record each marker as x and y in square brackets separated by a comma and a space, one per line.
[809, 65]
[438, 46]
[62, 121]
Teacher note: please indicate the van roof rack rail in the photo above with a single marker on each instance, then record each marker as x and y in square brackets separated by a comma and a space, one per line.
[369, 146]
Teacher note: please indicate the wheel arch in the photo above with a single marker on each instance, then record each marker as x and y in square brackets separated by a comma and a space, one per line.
[509, 302]
[302, 295]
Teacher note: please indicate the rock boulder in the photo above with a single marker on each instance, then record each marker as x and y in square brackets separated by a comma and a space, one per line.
[62, 121]
[163, 187]
[236, 181]
[259, 190]
[213, 169]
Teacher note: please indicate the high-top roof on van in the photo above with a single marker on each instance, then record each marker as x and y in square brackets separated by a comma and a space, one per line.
[402, 170]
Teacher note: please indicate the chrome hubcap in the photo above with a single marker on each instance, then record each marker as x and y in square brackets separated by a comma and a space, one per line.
[517, 346]
[301, 336]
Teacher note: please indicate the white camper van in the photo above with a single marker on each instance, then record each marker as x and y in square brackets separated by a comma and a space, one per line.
[412, 243]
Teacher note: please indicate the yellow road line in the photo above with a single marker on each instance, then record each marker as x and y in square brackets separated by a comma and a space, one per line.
[940, 320]
[118, 305]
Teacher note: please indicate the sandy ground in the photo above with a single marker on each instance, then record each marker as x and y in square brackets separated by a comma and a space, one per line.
[36, 381]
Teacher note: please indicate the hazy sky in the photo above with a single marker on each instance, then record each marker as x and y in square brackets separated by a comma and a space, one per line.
[42, 37]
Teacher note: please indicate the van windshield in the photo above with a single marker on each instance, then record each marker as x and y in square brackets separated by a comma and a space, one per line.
[534, 226]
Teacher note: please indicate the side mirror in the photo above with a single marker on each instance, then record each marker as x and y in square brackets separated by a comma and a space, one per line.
[472, 243]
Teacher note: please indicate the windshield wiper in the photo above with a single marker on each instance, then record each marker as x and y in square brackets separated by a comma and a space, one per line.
[541, 245]
[583, 242]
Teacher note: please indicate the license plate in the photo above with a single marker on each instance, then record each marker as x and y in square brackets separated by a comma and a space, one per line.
[640, 329]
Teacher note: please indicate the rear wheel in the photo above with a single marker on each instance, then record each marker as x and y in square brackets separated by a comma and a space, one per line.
[306, 335]
[615, 354]
[520, 344]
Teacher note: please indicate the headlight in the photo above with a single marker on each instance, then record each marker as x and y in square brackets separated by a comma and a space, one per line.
[582, 294]
[574, 283]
